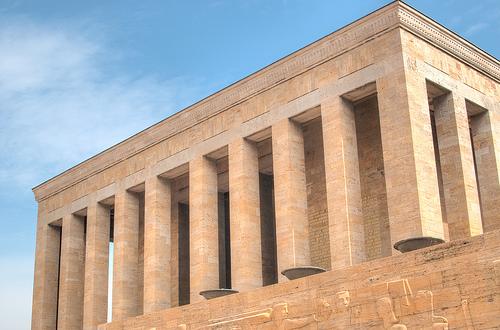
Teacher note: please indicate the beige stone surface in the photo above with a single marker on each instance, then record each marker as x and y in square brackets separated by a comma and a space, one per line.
[72, 273]
[157, 245]
[484, 128]
[372, 177]
[203, 232]
[45, 287]
[382, 63]
[347, 246]
[290, 196]
[317, 209]
[95, 303]
[448, 286]
[457, 167]
[409, 163]
[246, 255]
[126, 256]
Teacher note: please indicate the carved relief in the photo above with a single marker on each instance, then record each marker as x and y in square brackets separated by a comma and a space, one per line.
[496, 271]
[424, 304]
[395, 304]
[281, 321]
[277, 317]
[467, 314]
[442, 38]
[323, 310]
[246, 320]
[343, 300]
[401, 308]
[385, 311]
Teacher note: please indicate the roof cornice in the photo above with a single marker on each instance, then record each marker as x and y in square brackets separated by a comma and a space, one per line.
[422, 26]
[394, 15]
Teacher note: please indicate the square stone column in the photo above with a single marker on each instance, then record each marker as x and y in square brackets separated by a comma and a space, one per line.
[409, 161]
[457, 167]
[157, 241]
[95, 306]
[290, 196]
[485, 129]
[343, 187]
[45, 287]
[203, 227]
[126, 255]
[72, 273]
[246, 256]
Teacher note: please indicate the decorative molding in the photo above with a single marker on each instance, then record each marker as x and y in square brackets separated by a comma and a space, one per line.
[446, 40]
[394, 15]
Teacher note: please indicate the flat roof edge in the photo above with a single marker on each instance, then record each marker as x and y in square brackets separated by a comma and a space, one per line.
[394, 14]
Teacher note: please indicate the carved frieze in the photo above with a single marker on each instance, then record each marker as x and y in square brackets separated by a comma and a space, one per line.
[357, 33]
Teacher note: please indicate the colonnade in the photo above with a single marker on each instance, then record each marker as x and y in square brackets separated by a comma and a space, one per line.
[467, 174]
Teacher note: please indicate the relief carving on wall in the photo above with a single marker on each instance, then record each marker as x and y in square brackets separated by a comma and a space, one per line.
[401, 309]
[394, 303]
[276, 317]
[496, 271]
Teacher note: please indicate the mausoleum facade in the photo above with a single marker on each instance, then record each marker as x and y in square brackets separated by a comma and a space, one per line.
[368, 160]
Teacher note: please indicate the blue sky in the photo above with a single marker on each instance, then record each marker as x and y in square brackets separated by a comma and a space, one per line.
[79, 76]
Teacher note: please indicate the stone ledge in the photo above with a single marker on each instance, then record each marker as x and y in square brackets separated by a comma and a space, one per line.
[452, 284]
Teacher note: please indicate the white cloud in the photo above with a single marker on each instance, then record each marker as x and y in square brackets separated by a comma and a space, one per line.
[58, 106]
[474, 28]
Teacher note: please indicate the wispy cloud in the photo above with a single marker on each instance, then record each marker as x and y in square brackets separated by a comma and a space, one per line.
[58, 105]
[475, 28]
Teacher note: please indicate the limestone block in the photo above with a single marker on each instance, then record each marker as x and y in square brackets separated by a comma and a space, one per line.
[72, 276]
[95, 307]
[292, 232]
[409, 162]
[157, 245]
[342, 184]
[485, 130]
[457, 167]
[44, 309]
[126, 254]
[246, 256]
[203, 226]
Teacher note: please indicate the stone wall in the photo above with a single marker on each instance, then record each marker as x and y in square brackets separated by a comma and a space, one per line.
[268, 232]
[373, 190]
[183, 254]
[454, 285]
[317, 210]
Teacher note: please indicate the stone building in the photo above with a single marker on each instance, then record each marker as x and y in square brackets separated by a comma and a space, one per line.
[385, 130]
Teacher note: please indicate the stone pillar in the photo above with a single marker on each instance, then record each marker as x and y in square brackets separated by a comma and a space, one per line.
[95, 307]
[203, 226]
[343, 187]
[126, 254]
[246, 256]
[292, 227]
[409, 162]
[457, 167]
[72, 273]
[157, 250]
[485, 129]
[45, 287]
